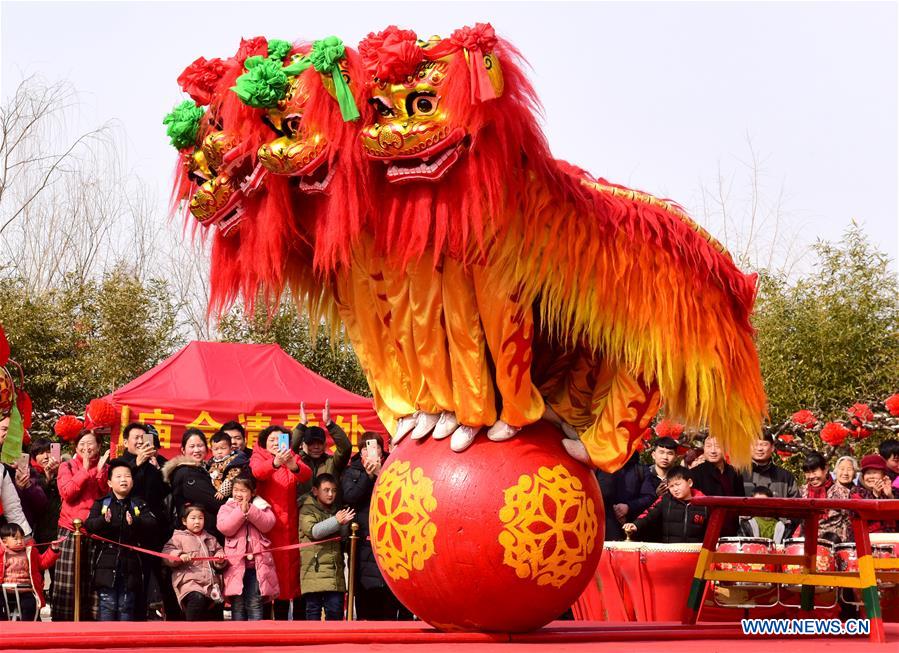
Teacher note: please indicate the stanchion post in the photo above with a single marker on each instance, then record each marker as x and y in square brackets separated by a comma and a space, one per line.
[351, 590]
[77, 535]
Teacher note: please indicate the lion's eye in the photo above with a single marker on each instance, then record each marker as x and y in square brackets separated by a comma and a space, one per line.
[381, 108]
[421, 104]
[424, 105]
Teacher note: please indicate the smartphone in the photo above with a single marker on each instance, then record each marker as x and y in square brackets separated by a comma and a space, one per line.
[371, 450]
[284, 441]
[22, 463]
[56, 451]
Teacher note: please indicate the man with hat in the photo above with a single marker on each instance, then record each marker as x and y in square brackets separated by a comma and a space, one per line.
[310, 443]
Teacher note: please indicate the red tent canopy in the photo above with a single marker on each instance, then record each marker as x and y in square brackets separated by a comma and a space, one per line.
[209, 383]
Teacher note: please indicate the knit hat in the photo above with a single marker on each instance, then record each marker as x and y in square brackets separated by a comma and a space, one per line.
[873, 461]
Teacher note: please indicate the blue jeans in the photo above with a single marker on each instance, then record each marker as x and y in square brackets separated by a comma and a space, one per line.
[116, 604]
[247, 606]
[332, 602]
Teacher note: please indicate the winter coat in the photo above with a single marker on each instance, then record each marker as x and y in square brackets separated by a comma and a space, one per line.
[835, 525]
[33, 498]
[333, 464]
[191, 484]
[880, 526]
[38, 563]
[47, 523]
[224, 472]
[629, 487]
[149, 484]
[674, 520]
[193, 576]
[245, 533]
[109, 559]
[322, 565]
[78, 489]
[780, 481]
[357, 489]
[10, 505]
[278, 486]
[713, 483]
[749, 527]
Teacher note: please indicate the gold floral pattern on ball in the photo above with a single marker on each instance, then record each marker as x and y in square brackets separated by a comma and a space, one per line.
[402, 531]
[550, 526]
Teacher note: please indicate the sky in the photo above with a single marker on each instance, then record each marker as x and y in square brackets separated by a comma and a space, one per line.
[663, 97]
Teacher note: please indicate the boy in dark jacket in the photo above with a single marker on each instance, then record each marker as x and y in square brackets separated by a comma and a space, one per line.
[124, 519]
[672, 515]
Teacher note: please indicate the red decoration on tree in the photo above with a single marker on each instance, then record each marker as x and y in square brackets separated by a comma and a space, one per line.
[668, 429]
[391, 55]
[68, 427]
[100, 413]
[200, 78]
[834, 434]
[804, 418]
[892, 404]
[861, 413]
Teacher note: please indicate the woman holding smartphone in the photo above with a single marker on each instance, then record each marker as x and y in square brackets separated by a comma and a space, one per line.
[278, 470]
[45, 459]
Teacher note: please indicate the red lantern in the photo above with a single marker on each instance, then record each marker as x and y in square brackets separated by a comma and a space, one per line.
[502, 537]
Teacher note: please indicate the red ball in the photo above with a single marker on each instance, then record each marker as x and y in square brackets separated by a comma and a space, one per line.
[503, 537]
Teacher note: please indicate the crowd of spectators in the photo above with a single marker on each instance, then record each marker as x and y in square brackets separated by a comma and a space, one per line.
[215, 530]
[227, 520]
[652, 502]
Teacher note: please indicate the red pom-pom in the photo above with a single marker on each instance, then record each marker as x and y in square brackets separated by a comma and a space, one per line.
[892, 404]
[200, 78]
[804, 418]
[391, 55]
[480, 37]
[861, 412]
[256, 46]
[834, 434]
[100, 413]
[668, 429]
[68, 427]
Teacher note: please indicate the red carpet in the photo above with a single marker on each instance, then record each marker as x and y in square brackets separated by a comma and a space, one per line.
[341, 637]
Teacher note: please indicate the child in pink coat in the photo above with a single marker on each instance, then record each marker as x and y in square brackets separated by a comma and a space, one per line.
[196, 582]
[250, 578]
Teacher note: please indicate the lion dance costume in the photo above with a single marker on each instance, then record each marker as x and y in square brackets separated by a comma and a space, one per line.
[406, 191]
[482, 282]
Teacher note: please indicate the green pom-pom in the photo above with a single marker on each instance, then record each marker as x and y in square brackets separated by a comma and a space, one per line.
[182, 124]
[278, 49]
[263, 85]
[326, 53]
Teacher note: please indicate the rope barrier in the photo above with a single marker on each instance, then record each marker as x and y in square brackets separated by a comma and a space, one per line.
[236, 556]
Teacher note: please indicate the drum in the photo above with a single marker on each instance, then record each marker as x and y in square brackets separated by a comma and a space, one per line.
[847, 560]
[745, 545]
[640, 581]
[825, 597]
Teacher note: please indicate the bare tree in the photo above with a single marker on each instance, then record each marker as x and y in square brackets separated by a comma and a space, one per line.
[67, 207]
[752, 223]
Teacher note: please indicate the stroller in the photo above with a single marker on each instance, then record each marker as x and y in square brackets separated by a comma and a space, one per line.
[14, 595]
